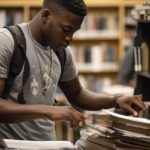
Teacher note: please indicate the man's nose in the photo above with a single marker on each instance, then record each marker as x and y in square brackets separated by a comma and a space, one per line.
[69, 38]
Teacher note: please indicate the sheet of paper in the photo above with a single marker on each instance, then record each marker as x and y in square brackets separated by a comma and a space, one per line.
[38, 144]
[136, 119]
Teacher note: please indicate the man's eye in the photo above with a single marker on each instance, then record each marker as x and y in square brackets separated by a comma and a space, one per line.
[65, 30]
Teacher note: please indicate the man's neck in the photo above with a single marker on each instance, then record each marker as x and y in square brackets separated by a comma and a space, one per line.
[36, 30]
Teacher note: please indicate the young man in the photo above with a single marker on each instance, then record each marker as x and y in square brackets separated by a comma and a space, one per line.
[51, 30]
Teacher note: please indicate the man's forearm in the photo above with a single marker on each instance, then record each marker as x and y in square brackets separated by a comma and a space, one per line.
[91, 101]
[11, 112]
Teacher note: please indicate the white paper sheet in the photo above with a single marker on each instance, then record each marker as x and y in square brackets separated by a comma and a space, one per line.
[136, 119]
[38, 144]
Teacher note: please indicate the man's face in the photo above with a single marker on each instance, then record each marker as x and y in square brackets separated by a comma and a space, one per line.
[59, 30]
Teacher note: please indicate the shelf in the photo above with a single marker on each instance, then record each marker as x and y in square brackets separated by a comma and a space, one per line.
[102, 3]
[130, 21]
[101, 71]
[89, 3]
[144, 74]
[144, 21]
[131, 3]
[10, 3]
[96, 38]
[38, 3]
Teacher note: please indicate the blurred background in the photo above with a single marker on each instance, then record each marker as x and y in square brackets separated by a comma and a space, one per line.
[102, 49]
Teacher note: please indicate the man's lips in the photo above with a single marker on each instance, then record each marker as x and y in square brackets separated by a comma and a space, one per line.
[64, 45]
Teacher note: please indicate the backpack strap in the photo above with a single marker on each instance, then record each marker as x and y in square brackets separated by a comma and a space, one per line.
[61, 54]
[17, 62]
[19, 59]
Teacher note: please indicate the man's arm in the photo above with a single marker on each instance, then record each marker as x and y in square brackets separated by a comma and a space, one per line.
[91, 101]
[11, 112]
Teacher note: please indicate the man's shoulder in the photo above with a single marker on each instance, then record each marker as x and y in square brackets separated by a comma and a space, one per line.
[5, 34]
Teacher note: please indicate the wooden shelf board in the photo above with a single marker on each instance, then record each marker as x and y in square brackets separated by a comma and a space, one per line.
[131, 3]
[89, 3]
[38, 3]
[96, 38]
[94, 72]
[21, 3]
[35, 4]
[143, 21]
[144, 74]
[9, 3]
[103, 3]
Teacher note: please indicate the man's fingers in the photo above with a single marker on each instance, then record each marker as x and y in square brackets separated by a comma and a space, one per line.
[73, 124]
[85, 117]
[71, 121]
[131, 111]
[139, 103]
[83, 123]
[140, 97]
[82, 119]
[136, 108]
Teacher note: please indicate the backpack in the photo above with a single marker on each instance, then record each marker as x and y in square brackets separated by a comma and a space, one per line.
[19, 60]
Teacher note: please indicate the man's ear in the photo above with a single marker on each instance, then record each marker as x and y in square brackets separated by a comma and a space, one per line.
[46, 14]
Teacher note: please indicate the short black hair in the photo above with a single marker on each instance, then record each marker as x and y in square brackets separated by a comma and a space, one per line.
[77, 7]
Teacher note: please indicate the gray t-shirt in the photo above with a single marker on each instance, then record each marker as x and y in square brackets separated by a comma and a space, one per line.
[41, 129]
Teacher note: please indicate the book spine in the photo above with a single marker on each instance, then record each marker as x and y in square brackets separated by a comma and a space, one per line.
[139, 59]
[135, 60]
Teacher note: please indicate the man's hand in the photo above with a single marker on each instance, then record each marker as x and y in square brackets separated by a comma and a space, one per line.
[66, 113]
[132, 104]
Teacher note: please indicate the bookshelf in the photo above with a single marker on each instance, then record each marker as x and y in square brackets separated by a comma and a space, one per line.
[104, 9]
[143, 77]
[29, 8]
[144, 74]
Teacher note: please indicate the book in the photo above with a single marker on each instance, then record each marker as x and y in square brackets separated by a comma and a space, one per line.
[2, 18]
[124, 127]
[139, 58]
[38, 145]
[145, 56]
[106, 115]
[96, 55]
[136, 68]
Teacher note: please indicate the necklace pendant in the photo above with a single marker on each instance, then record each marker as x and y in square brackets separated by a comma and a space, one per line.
[46, 86]
[44, 91]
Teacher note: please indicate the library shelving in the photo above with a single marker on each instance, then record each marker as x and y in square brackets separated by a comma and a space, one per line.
[110, 13]
[105, 23]
[143, 77]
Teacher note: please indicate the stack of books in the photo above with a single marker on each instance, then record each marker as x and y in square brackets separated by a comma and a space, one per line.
[141, 58]
[116, 132]
[141, 12]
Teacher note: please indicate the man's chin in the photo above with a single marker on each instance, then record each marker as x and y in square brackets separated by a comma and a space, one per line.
[56, 48]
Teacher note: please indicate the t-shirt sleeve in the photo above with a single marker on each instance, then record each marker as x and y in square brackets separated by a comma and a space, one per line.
[6, 51]
[70, 72]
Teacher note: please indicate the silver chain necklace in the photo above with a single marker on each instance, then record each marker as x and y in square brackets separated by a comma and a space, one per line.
[46, 82]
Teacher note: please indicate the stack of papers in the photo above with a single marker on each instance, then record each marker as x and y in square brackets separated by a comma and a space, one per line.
[116, 132]
[37, 145]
